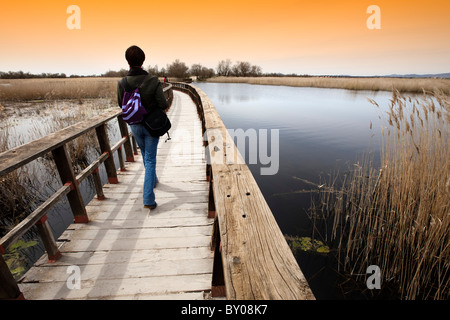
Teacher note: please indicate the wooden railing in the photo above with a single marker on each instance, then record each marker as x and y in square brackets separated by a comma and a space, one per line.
[252, 258]
[56, 143]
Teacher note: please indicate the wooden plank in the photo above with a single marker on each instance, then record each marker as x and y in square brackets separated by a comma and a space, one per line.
[124, 270]
[112, 288]
[143, 223]
[145, 233]
[135, 244]
[137, 256]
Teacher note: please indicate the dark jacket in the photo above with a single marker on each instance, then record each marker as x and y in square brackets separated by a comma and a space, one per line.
[152, 95]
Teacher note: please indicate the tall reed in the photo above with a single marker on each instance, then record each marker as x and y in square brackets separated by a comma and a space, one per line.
[416, 85]
[53, 89]
[397, 216]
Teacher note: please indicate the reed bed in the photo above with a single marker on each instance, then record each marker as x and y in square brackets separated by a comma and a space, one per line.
[413, 85]
[54, 89]
[397, 216]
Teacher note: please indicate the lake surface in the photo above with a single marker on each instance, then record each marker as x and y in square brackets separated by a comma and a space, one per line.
[321, 131]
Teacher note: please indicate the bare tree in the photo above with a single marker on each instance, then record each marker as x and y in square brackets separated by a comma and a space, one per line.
[206, 73]
[153, 70]
[177, 69]
[224, 68]
[242, 69]
[195, 70]
[201, 72]
[255, 71]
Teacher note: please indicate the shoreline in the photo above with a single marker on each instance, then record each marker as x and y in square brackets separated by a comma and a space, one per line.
[101, 87]
[411, 85]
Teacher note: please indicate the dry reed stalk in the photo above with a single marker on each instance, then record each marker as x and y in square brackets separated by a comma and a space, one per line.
[398, 217]
[55, 89]
[417, 85]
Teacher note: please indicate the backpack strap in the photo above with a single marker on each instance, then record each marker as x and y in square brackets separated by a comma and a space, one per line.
[126, 86]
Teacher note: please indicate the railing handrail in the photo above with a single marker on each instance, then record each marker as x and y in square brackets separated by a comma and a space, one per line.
[19, 156]
[257, 262]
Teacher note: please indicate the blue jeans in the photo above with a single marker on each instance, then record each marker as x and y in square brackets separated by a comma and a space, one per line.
[149, 147]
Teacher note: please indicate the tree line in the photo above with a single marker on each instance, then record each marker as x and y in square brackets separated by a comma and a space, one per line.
[176, 69]
[27, 75]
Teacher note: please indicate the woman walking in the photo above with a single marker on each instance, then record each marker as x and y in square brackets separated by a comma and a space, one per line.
[152, 97]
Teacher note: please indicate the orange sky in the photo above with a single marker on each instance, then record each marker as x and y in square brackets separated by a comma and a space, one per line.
[289, 36]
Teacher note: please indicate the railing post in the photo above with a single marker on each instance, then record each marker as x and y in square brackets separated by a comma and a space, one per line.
[46, 235]
[127, 145]
[64, 166]
[98, 185]
[217, 281]
[211, 204]
[103, 140]
[8, 288]
[120, 155]
[135, 148]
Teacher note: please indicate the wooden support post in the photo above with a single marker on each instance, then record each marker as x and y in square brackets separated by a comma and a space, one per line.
[46, 235]
[215, 237]
[120, 155]
[9, 289]
[218, 281]
[103, 141]
[134, 145]
[98, 185]
[211, 204]
[127, 145]
[64, 166]
[208, 172]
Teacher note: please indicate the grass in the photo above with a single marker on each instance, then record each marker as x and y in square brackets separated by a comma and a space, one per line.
[416, 85]
[397, 216]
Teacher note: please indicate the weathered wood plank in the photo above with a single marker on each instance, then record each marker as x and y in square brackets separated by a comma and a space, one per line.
[145, 233]
[124, 270]
[121, 223]
[137, 256]
[134, 244]
[112, 288]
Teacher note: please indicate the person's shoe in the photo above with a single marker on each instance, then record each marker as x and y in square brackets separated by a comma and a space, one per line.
[151, 207]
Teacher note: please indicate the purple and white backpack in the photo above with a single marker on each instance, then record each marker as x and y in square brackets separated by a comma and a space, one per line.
[133, 111]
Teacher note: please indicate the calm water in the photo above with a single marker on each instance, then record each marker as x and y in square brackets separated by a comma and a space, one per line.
[320, 131]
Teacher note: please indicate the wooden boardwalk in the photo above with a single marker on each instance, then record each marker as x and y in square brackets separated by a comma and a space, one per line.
[128, 252]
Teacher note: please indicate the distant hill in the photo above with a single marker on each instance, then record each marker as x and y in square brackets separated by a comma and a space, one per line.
[437, 75]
